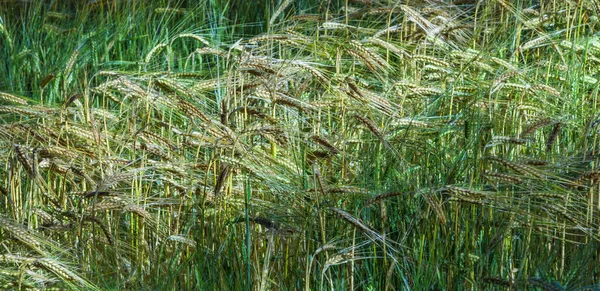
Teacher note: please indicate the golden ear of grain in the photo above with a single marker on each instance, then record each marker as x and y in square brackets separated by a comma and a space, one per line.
[13, 98]
[336, 25]
[25, 160]
[372, 60]
[22, 235]
[505, 178]
[388, 46]
[522, 169]
[154, 50]
[432, 60]
[324, 143]
[211, 51]
[19, 110]
[64, 273]
[279, 10]
[370, 125]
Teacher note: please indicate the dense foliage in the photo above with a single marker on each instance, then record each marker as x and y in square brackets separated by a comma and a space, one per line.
[379, 145]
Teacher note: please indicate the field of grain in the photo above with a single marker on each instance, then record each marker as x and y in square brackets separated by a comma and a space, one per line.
[299, 145]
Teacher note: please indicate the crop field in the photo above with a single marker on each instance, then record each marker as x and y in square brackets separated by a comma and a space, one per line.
[300, 145]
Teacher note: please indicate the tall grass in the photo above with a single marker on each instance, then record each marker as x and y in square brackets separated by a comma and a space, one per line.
[355, 145]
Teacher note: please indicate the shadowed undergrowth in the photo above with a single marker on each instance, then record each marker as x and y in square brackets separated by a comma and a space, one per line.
[422, 146]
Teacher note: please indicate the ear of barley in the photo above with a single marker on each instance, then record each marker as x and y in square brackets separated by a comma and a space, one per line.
[18, 110]
[257, 69]
[13, 98]
[417, 18]
[546, 89]
[464, 56]
[536, 42]
[388, 46]
[336, 26]
[364, 61]
[370, 125]
[465, 192]
[25, 160]
[324, 143]
[154, 138]
[279, 10]
[191, 110]
[182, 239]
[517, 87]
[505, 178]
[71, 63]
[64, 273]
[369, 55]
[536, 125]
[22, 235]
[519, 168]
[193, 36]
[504, 63]
[358, 224]
[221, 179]
[484, 66]
[291, 102]
[426, 91]
[410, 122]
[502, 79]
[553, 135]
[571, 46]
[154, 51]
[381, 104]
[436, 205]
[431, 60]
[387, 30]
[307, 17]
[313, 71]
[206, 85]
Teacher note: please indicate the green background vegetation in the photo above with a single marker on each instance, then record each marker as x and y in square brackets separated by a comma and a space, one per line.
[285, 145]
